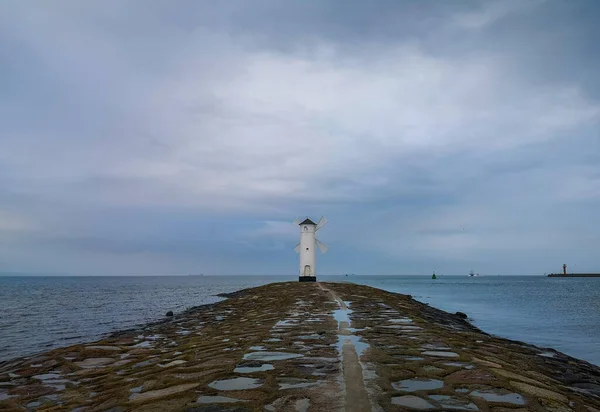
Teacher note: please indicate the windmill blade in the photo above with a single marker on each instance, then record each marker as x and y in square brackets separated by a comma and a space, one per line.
[297, 221]
[322, 222]
[297, 248]
[322, 246]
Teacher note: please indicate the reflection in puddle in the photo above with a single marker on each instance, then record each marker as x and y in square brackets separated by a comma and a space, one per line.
[271, 356]
[342, 316]
[441, 354]
[460, 365]
[410, 358]
[217, 399]
[412, 402]
[295, 383]
[400, 320]
[252, 369]
[302, 405]
[412, 385]
[450, 402]
[236, 384]
[359, 345]
[494, 396]
[547, 354]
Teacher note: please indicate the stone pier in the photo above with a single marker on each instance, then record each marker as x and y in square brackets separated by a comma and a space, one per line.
[303, 347]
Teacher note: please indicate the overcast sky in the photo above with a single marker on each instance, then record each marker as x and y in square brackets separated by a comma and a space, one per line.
[176, 137]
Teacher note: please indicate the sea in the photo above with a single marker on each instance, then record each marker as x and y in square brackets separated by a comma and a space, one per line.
[41, 313]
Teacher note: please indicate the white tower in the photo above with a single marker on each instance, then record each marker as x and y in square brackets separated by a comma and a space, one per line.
[307, 248]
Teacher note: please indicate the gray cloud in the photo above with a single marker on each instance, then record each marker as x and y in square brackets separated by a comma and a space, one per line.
[147, 136]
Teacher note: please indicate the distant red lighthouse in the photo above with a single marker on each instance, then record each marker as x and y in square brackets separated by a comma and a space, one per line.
[565, 269]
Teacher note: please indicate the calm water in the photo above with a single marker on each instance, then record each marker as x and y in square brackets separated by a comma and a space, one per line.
[39, 313]
[563, 314]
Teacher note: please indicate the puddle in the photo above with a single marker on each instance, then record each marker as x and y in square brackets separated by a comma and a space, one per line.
[412, 402]
[418, 384]
[433, 346]
[400, 320]
[90, 363]
[285, 323]
[137, 389]
[547, 354]
[257, 348]
[144, 344]
[460, 365]
[173, 363]
[236, 384]
[341, 315]
[494, 396]
[356, 329]
[296, 383]
[359, 345]
[302, 405]
[313, 336]
[271, 356]
[321, 359]
[47, 376]
[462, 390]
[154, 337]
[145, 363]
[450, 402]
[217, 399]
[410, 358]
[250, 369]
[273, 340]
[441, 354]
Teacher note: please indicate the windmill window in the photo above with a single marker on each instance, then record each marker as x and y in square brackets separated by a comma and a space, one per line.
[305, 229]
[306, 248]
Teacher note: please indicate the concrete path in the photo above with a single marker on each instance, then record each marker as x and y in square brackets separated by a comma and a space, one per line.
[356, 398]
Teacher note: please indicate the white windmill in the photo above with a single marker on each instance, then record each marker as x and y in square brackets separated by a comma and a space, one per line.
[307, 247]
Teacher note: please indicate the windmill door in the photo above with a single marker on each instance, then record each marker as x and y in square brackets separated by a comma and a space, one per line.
[307, 271]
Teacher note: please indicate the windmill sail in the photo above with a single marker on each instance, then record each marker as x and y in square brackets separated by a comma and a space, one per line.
[322, 222]
[322, 246]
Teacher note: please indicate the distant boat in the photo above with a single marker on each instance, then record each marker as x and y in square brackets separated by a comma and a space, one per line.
[471, 273]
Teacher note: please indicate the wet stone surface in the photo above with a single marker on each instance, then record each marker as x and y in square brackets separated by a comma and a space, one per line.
[285, 347]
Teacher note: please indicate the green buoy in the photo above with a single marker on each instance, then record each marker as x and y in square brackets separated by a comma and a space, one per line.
[433, 277]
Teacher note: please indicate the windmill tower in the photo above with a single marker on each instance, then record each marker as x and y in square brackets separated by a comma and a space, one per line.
[307, 248]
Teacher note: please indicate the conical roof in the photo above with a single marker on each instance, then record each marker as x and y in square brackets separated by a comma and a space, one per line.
[307, 221]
